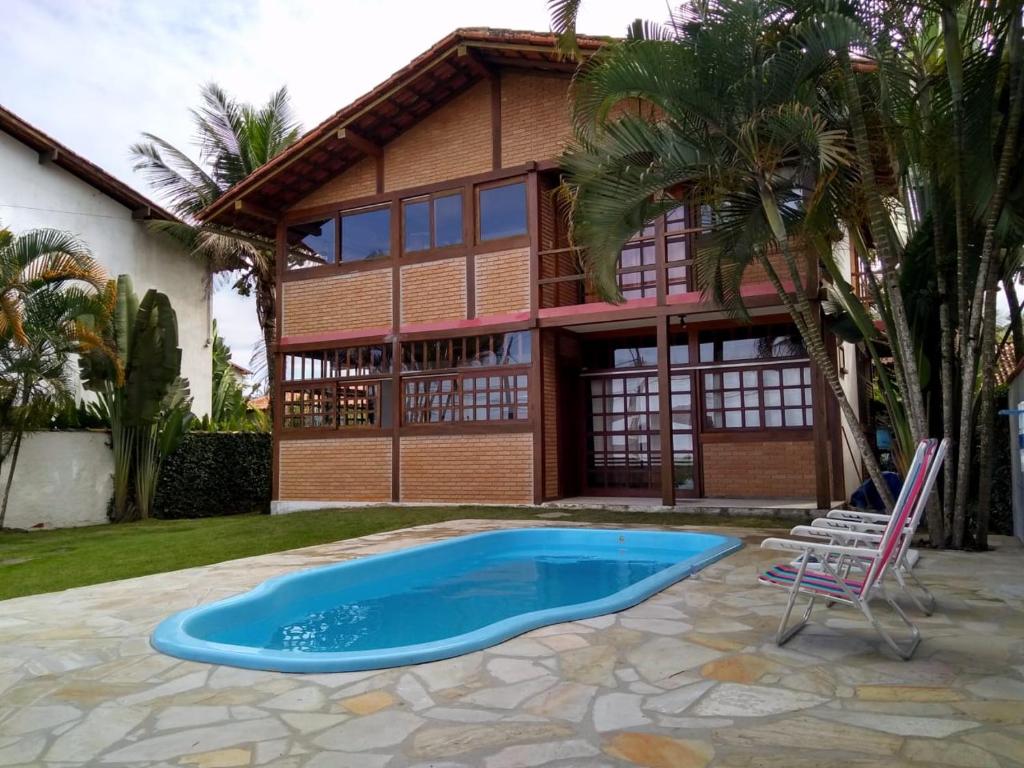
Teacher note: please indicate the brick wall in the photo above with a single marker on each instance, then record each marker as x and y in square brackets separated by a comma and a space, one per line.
[502, 282]
[535, 121]
[358, 181]
[453, 141]
[549, 369]
[338, 303]
[435, 290]
[467, 469]
[345, 469]
[749, 469]
[755, 273]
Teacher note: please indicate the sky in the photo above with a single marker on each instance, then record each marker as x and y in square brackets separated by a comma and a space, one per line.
[95, 74]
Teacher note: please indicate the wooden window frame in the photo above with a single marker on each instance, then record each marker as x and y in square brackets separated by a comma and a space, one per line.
[337, 243]
[453, 414]
[509, 241]
[430, 198]
[758, 370]
[356, 211]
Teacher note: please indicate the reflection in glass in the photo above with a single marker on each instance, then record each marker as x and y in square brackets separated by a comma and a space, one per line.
[416, 225]
[503, 211]
[447, 220]
[366, 235]
[311, 244]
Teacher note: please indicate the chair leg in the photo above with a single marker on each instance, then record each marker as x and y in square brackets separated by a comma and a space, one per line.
[785, 633]
[925, 603]
[904, 650]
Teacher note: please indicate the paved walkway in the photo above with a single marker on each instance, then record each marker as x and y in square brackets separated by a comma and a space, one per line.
[688, 678]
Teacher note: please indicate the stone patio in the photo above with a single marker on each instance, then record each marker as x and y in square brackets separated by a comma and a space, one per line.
[691, 677]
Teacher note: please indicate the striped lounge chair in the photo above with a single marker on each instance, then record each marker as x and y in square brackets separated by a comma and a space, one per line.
[850, 568]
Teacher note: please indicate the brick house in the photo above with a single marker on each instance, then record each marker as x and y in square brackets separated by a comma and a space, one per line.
[437, 338]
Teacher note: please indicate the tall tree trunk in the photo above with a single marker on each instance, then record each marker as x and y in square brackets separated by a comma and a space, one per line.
[886, 247]
[10, 476]
[266, 314]
[968, 349]
[946, 375]
[986, 418]
[1016, 326]
[883, 234]
[807, 324]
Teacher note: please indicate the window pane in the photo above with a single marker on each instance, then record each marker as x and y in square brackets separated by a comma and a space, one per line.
[447, 220]
[312, 244]
[366, 235]
[503, 211]
[416, 225]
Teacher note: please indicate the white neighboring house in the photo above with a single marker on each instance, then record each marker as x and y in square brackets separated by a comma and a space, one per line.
[64, 478]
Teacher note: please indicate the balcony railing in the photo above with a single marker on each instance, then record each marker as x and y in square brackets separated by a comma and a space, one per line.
[563, 281]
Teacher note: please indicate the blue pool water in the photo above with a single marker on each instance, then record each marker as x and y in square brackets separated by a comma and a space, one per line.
[437, 600]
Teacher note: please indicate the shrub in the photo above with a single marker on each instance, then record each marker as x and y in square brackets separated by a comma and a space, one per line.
[216, 473]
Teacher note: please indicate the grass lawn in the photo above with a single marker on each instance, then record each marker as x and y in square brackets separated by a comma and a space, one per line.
[48, 561]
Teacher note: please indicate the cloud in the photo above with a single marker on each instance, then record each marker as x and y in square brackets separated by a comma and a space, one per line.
[96, 74]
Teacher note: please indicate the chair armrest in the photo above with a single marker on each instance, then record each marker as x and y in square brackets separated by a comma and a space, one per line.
[854, 515]
[815, 547]
[839, 526]
[846, 535]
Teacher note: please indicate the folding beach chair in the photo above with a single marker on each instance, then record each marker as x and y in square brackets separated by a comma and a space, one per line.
[868, 552]
[839, 522]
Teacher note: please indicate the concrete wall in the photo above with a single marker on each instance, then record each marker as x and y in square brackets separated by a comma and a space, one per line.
[34, 196]
[63, 479]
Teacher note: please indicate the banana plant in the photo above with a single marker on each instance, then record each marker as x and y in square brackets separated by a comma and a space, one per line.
[139, 388]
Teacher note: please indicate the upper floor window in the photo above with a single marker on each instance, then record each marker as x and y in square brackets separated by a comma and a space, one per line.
[366, 234]
[765, 343]
[502, 211]
[494, 349]
[312, 244]
[431, 221]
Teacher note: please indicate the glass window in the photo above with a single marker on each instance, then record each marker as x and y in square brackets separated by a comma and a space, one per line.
[415, 225]
[366, 234]
[447, 220]
[753, 398]
[765, 343]
[444, 211]
[492, 350]
[503, 211]
[311, 244]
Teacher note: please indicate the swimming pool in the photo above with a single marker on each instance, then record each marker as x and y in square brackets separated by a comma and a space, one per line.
[436, 600]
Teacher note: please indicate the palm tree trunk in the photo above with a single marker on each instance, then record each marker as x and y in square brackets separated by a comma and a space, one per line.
[986, 419]
[266, 314]
[968, 349]
[10, 476]
[1016, 326]
[883, 235]
[800, 310]
[948, 400]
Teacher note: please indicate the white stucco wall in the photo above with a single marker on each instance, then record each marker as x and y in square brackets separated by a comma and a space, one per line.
[36, 196]
[63, 479]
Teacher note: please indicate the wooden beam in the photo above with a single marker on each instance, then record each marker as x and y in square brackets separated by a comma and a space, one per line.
[143, 213]
[360, 142]
[241, 206]
[668, 479]
[495, 122]
[48, 156]
[479, 67]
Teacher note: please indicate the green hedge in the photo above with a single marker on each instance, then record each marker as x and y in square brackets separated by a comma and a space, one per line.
[214, 474]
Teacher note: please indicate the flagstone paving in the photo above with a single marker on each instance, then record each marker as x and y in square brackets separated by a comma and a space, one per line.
[688, 679]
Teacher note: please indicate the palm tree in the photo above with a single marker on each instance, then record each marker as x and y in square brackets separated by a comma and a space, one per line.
[49, 282]
[740, 126]
[234, 140]
[34, 260]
